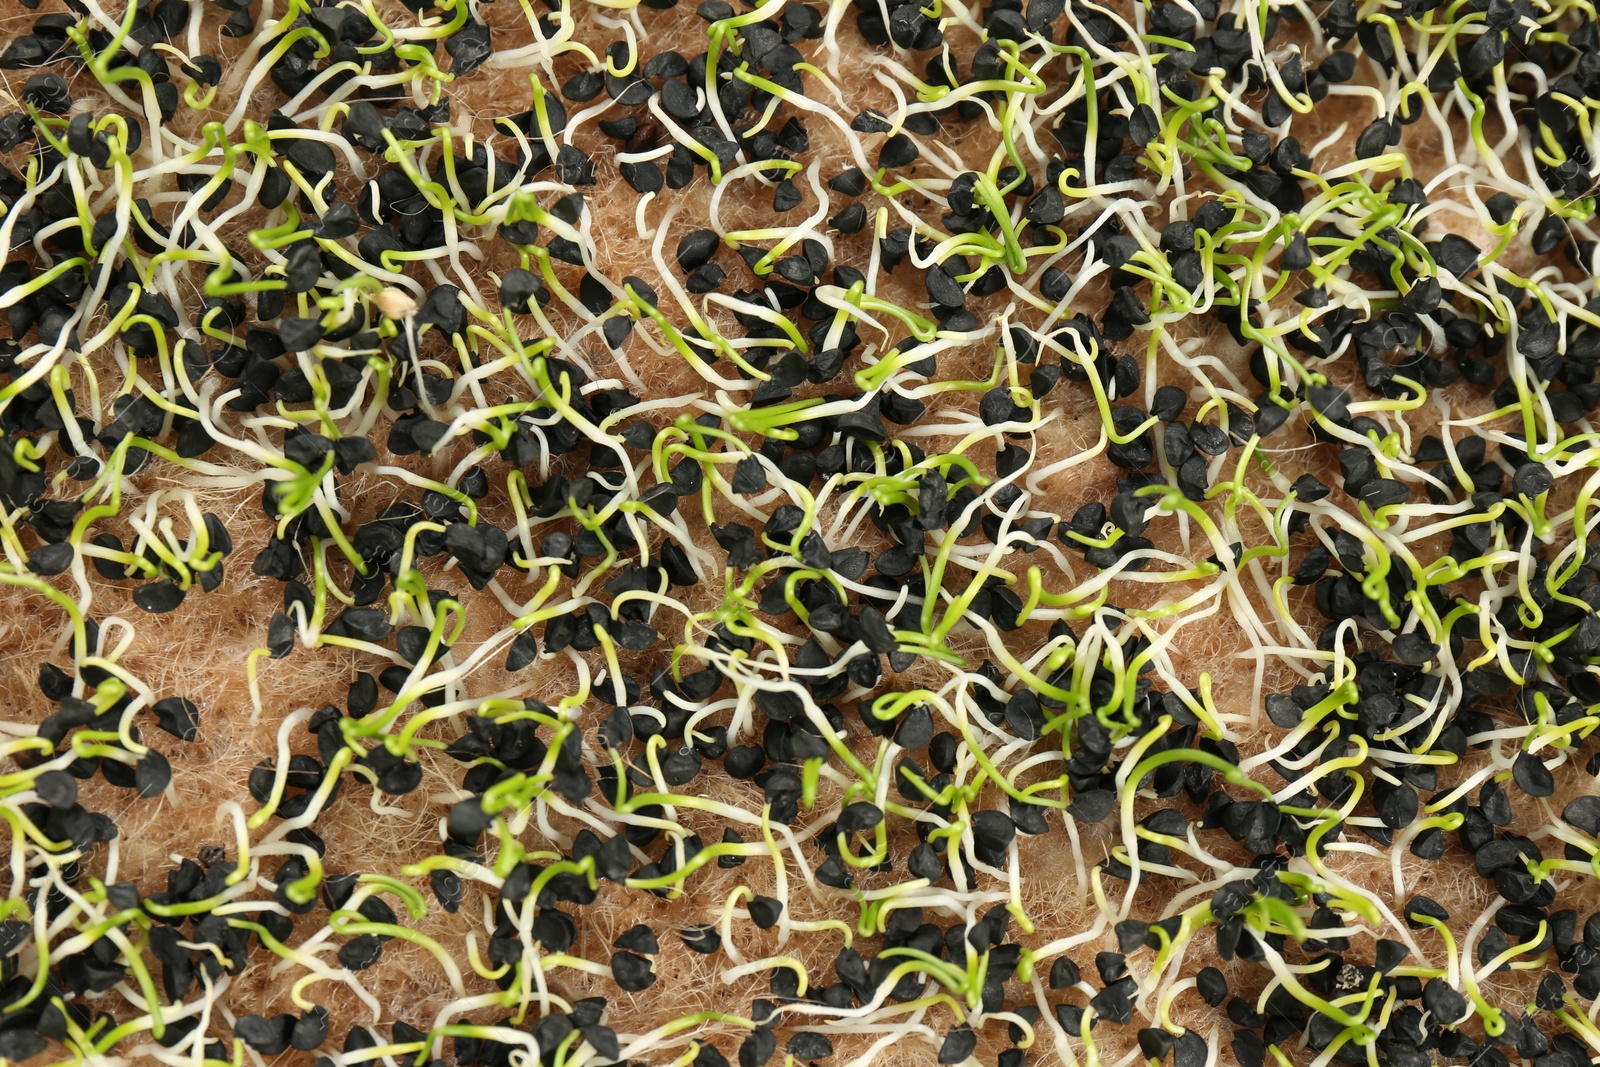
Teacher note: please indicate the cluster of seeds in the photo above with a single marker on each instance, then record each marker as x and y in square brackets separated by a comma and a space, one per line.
[863, 532]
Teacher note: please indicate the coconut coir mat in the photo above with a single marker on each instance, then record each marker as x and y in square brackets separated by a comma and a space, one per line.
[588, 532]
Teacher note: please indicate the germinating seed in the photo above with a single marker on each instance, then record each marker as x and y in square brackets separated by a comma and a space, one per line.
[873, 549]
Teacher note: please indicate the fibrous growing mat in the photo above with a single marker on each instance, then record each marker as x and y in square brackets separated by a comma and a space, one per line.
[592, 531]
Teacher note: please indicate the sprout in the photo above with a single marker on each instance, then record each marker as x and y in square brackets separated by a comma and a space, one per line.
[875, 542]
